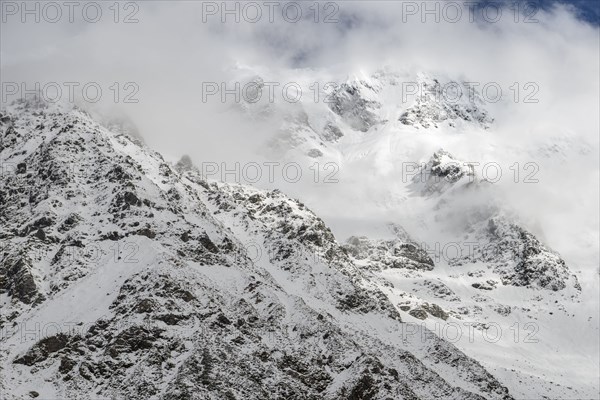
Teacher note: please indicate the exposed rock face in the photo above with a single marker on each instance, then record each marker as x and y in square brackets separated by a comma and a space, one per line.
[518, 257]
[331, 133]
[314, 153]
[449, 103]
[158, 284]
[435, 311]
[512, 278]
[382, 254]
[353, 102]
[334, 112]
[44, 348]
[184, 164]
[18, 279]
[442, 172]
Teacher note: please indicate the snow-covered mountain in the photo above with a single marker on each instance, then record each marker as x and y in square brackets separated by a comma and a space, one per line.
[479, 254]
[126, 276]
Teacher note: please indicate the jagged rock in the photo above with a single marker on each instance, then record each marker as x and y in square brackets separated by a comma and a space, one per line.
[43, 349]
[314, 153]
[488, 285]
[184, 164]
[332, 133]
[418, 313]
[434, 106]
[40, 234]
[208, 244]
[182, 311]
[18, 280]
[351, 101]
[383, 254]
[69, 223]
[148, 232]
[435, 310]
[442, 172]
[518, 257]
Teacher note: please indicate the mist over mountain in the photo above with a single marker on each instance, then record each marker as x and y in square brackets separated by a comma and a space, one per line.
[298, 200]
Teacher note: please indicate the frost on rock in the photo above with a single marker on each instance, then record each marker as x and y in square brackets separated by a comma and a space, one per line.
[442, 172]
[383, 254]
[452, 103]
[354, 102]
[518, 257]
[151, 281]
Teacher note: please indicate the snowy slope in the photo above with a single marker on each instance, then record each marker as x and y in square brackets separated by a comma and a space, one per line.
[170, 276]
[515, 254]
[126, 277]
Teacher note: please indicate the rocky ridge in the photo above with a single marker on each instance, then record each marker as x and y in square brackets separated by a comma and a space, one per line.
[139, 276]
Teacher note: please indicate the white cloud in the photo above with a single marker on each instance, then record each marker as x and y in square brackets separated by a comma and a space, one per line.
[170, 52]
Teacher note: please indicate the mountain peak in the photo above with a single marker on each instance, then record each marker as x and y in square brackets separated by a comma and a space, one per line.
[147, 266]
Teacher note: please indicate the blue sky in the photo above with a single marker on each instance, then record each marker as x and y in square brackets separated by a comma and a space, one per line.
[587, 10]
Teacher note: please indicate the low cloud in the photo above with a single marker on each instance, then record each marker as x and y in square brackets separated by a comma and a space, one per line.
[174, 48]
